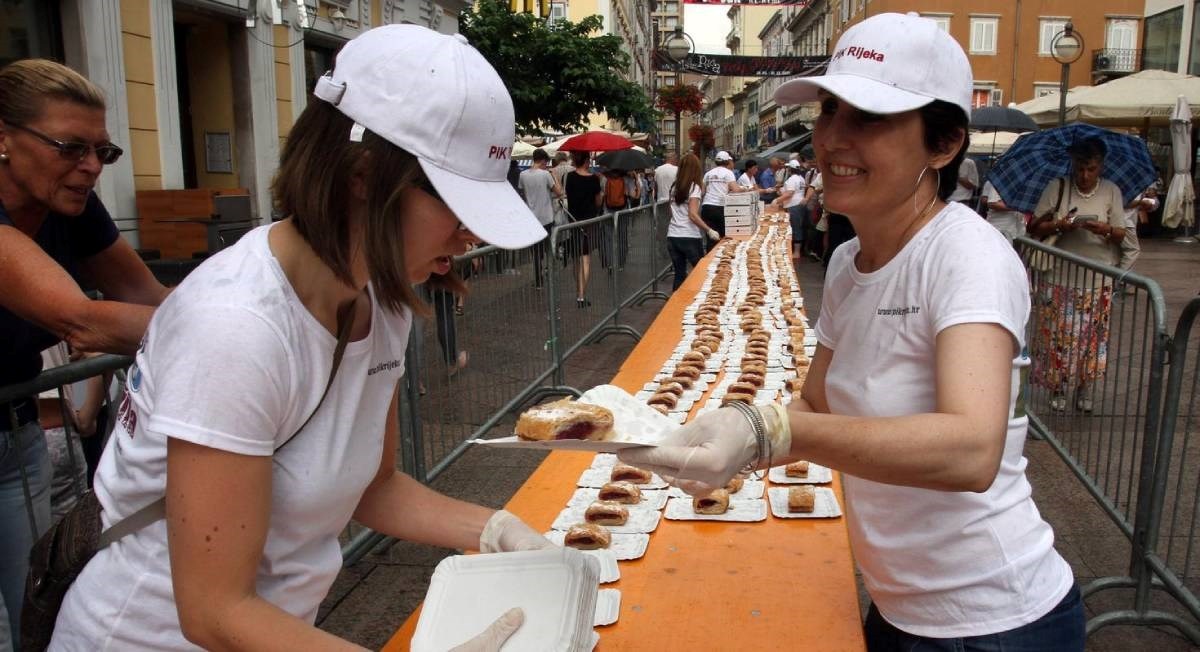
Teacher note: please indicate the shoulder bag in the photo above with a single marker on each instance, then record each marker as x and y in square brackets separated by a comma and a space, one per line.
[61, 554]
[1040, 260]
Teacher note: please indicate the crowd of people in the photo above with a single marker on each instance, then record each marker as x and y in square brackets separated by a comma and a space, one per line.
[262, 402]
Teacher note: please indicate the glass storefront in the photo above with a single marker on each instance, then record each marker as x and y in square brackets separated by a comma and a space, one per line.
[1162, 40]
[31, 28]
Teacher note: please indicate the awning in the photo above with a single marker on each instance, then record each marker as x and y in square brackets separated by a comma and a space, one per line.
[783, 149]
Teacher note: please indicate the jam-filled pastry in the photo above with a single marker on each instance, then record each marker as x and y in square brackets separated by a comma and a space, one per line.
[802, 498]
[620, 492]
[664, 399]
[794, 385]
[602, 513]
[715, 503]
[626, 473]
[587, 536]
[735, 484]
[737, 397]
[565, 419]
[742, 388]
[671, 387]
[796, 469]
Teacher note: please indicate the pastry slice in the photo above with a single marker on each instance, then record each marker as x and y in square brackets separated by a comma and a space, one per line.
[587, 536]
[620, 492]
[602, 513]
[802, 498]
[626, 473]
[715, 503]
[565, 419]
[735, 484]
[796, 469]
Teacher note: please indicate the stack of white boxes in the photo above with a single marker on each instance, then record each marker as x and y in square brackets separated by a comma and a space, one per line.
[741, 213]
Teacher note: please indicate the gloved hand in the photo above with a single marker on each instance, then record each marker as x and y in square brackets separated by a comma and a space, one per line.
[704, 454]
[492, 638]
[713, 235]
[507, 533]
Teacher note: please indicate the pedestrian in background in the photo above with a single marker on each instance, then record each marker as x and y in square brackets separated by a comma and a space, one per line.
[541, 193]
[1007, 221]
[686, 231]
[792, 200]
[770, 179]
[718, 182]
[585, 198]
[56, 237]
[967, 183]
[664, 176]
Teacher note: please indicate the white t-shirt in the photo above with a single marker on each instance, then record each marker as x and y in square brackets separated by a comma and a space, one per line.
[664, 178]
[716, 185]
[233, 360]
[680, 226]
[1010, 223]
[795, 184]
[746, 181]
[968, 170]
[937, 563]
[538, 186]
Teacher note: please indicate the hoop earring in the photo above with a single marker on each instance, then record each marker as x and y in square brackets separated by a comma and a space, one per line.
[938, 191]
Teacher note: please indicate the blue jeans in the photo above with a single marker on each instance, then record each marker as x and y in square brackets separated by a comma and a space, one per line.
[15, 536]
[1060, 630]
[685, 253]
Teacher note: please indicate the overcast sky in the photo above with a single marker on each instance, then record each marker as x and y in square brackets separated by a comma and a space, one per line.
[707, 25]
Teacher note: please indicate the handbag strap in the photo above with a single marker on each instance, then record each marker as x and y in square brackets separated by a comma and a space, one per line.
[158, 509]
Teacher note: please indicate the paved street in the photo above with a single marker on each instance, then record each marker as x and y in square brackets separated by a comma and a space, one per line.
[373, 597]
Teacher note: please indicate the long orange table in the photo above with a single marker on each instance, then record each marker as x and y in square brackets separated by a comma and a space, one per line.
[774, 585]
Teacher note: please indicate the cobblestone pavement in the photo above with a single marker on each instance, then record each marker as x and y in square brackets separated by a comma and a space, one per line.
[371, 598]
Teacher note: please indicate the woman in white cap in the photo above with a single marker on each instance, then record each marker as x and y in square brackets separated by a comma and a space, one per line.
[238, 411]
[912, 392]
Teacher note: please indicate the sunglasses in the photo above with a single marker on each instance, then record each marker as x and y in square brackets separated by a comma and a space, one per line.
[106, 153]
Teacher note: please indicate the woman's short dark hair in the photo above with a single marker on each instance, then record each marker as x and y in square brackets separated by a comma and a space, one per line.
[312, 186]
[1089, 149]
[750, 163]
[944, 124]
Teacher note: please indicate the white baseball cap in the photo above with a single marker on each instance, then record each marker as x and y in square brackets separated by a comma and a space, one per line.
[793, 164]
[890, 63]
[723, 157]
[436, 97]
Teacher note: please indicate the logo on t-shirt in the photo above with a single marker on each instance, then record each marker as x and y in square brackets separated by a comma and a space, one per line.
[384, 366]
[898, 312]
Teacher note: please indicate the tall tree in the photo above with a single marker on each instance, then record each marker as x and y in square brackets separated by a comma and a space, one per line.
[557, 72]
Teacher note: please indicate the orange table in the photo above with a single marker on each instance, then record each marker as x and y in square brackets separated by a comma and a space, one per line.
[775, 585]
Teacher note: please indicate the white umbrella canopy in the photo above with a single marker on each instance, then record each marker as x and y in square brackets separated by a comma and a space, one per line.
[1044, 109]
[522, 150]
[985, 143]
[1181, 196]
[1132, 101]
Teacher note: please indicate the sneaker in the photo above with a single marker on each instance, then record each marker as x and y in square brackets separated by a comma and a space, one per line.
[1058, 403]
[1083, 404]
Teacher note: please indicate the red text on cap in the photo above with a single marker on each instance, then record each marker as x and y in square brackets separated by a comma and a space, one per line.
[857, 52]
[499, 152]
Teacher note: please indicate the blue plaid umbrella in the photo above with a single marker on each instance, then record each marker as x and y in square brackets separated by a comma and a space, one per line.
[1023, 172]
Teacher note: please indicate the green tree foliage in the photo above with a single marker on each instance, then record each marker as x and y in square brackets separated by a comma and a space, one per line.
[557, 73]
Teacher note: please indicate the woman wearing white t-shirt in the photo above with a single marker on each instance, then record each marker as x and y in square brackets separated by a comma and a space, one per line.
[227, 412]
[912, 392]
[686, 231]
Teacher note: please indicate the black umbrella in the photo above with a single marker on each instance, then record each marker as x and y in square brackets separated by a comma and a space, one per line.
[625, 159]
[1001, 118]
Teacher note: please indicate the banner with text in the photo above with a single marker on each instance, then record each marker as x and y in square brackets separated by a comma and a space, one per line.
[726, 65]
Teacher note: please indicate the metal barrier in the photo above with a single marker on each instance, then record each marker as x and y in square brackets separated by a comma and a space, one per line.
[1099, 346]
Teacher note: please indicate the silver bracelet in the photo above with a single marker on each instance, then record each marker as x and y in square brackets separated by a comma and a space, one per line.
[762, 442]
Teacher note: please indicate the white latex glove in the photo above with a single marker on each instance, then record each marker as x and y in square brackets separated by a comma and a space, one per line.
[704, 454]
[507, 533]
[713, 235]
[492, 638]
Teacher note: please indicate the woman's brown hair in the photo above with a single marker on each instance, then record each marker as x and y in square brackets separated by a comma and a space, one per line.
[312, 187]
[689, 174]
[25, 86]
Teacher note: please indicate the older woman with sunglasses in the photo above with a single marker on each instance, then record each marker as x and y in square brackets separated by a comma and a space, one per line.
[55, 236]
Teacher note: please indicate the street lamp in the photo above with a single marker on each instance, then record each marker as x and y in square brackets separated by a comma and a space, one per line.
[1066, 48]
[678, 47]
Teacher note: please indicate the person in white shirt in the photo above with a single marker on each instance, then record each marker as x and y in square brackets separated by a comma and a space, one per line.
[664, 176]
[1007, 221]
[966, 183]
[913, 391]
[718, 182]
[749, 178]
[541, 193]
[686, 231]
[793, 199]
[234, 411]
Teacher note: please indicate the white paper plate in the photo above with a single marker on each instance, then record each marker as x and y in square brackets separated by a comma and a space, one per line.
[651, 498]
[751, 490]
[604, 460]
[596, 478]
[640, 520]
[624, 546]
[555, 587]
[635, 424]
[608, 607]
[609, 572]
[825, 505]
[740, 511]
[817, 474]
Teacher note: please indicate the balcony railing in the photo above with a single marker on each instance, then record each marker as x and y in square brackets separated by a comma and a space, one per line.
[1115, 60]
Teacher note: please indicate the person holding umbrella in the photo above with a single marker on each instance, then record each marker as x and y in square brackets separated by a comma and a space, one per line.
[1087, 214]
[911, 393]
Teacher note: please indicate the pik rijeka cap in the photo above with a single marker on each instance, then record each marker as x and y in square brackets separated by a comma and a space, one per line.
[436, 97]
[890, 63]
[723, 157]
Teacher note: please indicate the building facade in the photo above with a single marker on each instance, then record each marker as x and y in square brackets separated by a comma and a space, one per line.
[1170, 36]
[201, 93]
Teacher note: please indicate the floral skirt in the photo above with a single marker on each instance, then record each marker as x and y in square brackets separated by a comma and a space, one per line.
[1070, 345]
